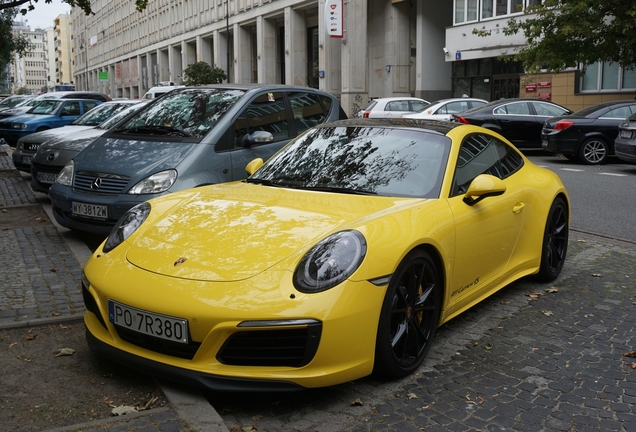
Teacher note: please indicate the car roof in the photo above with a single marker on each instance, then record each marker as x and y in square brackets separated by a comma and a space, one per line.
[392, 98]
[251, 86]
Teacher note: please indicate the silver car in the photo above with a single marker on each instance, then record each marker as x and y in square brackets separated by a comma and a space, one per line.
[190, 137]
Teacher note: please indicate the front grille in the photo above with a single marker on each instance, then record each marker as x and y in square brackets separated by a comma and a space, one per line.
[278, 347]
[91, 304]
[107, 183]
[46, 168]
[5, 125]
[162, 346]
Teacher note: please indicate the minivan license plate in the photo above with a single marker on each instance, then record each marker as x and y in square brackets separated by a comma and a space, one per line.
[89, 210]
[149, 323]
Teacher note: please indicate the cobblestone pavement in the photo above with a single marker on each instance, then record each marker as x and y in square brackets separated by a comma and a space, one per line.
[530, 358]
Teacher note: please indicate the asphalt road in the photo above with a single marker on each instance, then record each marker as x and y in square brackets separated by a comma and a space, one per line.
[603, 197]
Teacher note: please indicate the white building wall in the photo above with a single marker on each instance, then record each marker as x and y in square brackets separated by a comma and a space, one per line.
[374, 59]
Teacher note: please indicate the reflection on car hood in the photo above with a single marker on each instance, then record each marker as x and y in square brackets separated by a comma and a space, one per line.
[234, 231]
[58, 151]
[136, 159]
[65, 131]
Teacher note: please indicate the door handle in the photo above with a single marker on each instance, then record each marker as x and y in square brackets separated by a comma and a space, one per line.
[518, 207]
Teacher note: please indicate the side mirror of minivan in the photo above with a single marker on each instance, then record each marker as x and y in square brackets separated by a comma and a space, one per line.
[256, 137]
[254, 165]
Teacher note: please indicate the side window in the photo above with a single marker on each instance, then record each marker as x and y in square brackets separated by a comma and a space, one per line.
[518, 108]
[456, 107]
[417, 105]
[89, 105]
[483, 154]
[265, 113]
[71, 109]
[620, 112]
[307, 110]
[397, 106]
[547, 110]
[326, 101]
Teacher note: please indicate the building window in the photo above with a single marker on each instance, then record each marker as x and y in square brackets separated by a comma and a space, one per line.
[465, 11]
[607, 77]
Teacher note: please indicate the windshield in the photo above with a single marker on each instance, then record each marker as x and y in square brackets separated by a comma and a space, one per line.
[189, 112]
[99, 114]
[46, 107]
[119, 116]
[368, 160]
[12, 101]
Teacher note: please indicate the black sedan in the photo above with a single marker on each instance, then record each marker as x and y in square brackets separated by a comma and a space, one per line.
[519, 120]
[587, 135]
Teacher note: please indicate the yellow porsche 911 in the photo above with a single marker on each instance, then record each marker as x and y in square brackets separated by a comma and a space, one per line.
[337, 258]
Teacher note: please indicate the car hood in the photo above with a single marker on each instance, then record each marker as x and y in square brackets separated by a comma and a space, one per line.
[15, 111]
[234, 231]
[27, 118]
[58, 151]
[40, 137]
[136, 159]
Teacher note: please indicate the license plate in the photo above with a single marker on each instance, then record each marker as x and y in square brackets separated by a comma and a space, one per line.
[26, 159]
[46, 177]
[544, 143]
[148, 323]
[89, 210]
[626, 134]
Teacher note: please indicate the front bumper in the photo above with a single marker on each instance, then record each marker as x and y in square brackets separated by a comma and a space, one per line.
[117, 205]
[342, 350]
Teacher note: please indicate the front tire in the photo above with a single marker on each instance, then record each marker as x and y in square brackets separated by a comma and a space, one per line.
[555, 241]
[409, 316]
[593, 151]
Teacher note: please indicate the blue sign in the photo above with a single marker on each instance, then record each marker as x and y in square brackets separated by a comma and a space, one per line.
[458, 55]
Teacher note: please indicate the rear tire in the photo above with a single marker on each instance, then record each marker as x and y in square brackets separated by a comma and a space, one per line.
[555, 241]
[593, 151]
[409, 316]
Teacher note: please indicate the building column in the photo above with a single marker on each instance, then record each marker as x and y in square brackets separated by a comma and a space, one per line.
[243, 57]
[295, 47]
[432, 71]
[266, 50]
[355, 92]
[397, 50]
[329, 56]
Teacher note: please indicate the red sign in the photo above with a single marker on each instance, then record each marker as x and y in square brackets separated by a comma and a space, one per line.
[545, 96]
[545, 84]
[531, 88]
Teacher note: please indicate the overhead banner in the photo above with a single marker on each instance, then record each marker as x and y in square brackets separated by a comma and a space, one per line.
[334, 18]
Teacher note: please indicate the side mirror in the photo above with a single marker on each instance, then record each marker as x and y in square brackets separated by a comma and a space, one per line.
[254, 165]
[483, 186]
[256, 137]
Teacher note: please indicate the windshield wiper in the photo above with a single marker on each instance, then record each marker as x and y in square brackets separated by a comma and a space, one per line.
[337, 189]
[152, 130]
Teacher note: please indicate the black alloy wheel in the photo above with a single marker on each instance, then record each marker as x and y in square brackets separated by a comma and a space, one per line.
[593, 151]
[409, 316]
[555, 241]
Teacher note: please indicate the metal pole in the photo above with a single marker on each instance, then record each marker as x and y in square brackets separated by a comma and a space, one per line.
[227, 36]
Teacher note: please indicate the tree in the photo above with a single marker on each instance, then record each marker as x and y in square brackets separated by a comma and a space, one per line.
[202, 73]
[85, 5]
[566, 33]
[10, 44]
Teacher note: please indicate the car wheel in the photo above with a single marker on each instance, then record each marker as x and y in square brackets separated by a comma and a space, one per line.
[593, 151]
[555, 241]
[409, 316]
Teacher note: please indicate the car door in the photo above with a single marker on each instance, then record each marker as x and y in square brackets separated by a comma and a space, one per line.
[69, 112]
[518, 124]
[267, 112]
[396, 109]
[486, 232]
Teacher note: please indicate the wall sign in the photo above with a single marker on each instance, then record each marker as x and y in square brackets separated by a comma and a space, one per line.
[334, 18]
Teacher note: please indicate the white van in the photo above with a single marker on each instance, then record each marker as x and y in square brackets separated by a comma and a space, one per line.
[160, 90]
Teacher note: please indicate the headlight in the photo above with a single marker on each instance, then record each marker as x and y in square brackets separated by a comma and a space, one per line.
[65, 177]
[19, 126]
[127, 225]
[330, 262]
[156, 183]
[19, 145]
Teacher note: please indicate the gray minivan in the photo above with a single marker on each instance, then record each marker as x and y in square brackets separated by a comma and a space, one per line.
[190, 137]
